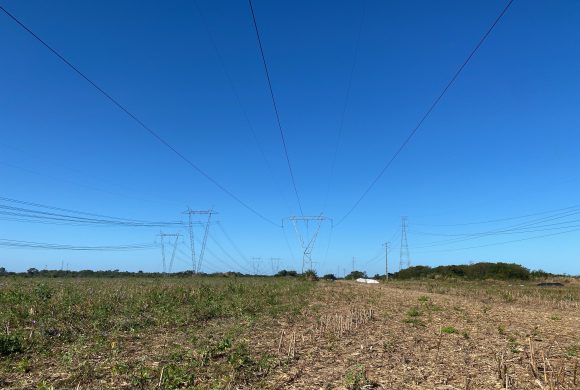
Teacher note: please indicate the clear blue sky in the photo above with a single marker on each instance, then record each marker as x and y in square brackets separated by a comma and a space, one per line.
[502, 143]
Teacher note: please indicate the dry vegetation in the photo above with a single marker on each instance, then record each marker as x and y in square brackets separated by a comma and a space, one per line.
[287, 333]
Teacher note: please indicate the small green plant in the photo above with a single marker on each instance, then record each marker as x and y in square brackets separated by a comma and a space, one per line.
[414, 321]
[423, 299]
[413, 312]
[24, 366]
[176, 377]
[501, 329]
[10, 344]
[571, 351]
[555, 318]
[448, 330]
[356, 377]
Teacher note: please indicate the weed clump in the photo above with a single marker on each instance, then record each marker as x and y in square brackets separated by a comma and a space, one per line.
[10, 344]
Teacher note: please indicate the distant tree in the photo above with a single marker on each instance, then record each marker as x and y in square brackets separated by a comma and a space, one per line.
[2, 270]
[32, 271]
[329, 277]
[286, 273]
[477, 271]
[356, 275]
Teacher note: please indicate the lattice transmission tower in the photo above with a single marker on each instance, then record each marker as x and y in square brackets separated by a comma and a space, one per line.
[307, 235]
[404, 257]
[196, 260]
[163, 236]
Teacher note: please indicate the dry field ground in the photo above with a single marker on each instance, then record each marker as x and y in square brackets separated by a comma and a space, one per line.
[278, 333]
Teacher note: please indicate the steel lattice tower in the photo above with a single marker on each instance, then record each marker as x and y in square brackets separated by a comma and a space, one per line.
[404, 257]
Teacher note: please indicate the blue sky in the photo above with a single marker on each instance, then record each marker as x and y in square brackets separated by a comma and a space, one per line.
[502, 143]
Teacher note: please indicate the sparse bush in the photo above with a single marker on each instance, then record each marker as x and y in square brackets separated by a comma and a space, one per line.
[10, 344]
[310, 275]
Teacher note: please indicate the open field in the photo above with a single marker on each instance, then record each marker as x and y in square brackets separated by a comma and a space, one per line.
[287, 333]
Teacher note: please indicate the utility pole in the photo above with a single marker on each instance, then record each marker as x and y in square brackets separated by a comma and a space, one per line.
[386, 261]
[197, 261]
[353, 264]
[404, 257]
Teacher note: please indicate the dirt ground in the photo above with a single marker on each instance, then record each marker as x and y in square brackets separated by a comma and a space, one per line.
[396, 338]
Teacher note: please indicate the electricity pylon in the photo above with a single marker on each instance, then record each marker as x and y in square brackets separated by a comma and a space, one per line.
[386, 260]
[404, 257]
[307, 240]
[256, 264]
[162, 236]
[275, 261]
[197, 261]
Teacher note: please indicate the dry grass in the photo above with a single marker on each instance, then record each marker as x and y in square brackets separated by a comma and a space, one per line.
[281, 333]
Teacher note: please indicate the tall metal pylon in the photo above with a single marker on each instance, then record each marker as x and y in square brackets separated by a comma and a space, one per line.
[163, 236]
[256, 261]
[275, 261]
[196, 261]
[386, 244]
[307, 240]
[404, 257]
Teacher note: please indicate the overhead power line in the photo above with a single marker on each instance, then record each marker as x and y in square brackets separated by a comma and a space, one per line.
[506, 242]
[138, 121]
[427, 113]
[345, 104]
[43, 245]
[33, 215]
[275, 106]
[498, 219]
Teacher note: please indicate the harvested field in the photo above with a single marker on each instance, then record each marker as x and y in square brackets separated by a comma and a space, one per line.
[287, 333]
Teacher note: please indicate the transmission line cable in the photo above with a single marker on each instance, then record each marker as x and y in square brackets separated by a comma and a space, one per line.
[275, 106]
[44, 245]
[345, 104]
[427, 113]
[504, 242]
[499, 219]
[238, 99]
[139, 121]
[102, 219]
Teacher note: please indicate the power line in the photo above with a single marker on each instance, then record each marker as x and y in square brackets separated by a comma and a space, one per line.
[538, 224]
[275, 106]
[44, 245]
[137, 120]
[499, 219]
[100, 218]
[345, 104]
[238, 99]
[427, 113]
[507, 242]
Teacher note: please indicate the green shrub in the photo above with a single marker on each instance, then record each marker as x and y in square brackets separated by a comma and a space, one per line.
[10, 344]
